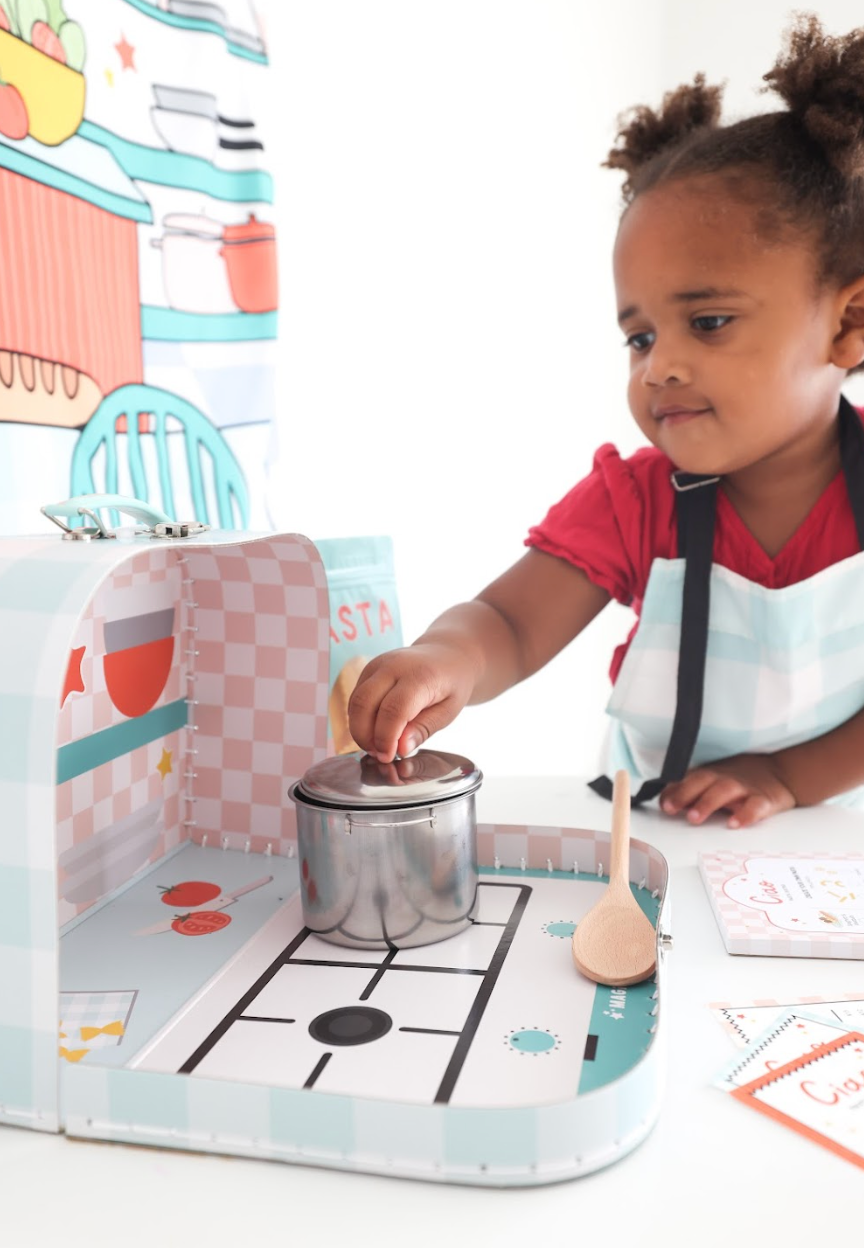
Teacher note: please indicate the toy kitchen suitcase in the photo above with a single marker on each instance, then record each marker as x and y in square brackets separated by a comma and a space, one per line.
[161, 689]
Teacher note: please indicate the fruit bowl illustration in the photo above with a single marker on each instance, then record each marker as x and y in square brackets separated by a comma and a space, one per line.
[51, 91]
[138, 654]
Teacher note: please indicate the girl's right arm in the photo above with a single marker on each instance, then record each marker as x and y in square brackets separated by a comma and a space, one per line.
[472, 653]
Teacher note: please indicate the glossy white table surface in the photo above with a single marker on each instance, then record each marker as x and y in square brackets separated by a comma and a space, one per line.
[711, 1173]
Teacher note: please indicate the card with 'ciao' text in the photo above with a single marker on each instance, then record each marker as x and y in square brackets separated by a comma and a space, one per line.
[819, 1094]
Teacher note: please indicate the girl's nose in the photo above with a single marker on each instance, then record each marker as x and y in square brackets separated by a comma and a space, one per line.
[665, 367]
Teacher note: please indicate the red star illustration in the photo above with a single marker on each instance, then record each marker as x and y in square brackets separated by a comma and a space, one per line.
[74, 682]
[126, 52]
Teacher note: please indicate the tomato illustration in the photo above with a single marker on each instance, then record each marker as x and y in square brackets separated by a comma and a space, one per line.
[14, 122]
[189, 893]
[44, 40]
[202, 923]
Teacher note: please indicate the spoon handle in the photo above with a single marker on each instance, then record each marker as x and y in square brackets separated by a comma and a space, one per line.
[619, 867]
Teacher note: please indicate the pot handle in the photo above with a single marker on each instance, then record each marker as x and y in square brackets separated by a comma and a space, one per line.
[431, 819]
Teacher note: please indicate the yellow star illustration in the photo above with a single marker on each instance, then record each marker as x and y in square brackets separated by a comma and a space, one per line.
[109, 75]
[164, 764]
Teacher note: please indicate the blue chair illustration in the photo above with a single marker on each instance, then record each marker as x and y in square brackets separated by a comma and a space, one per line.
[215, 479]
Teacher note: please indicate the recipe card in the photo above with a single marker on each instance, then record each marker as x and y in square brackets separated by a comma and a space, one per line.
[745, 1021]
[820, 1095]
[787, 1038]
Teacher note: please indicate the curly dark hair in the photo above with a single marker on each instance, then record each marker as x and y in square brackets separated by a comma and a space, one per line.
[803, 166]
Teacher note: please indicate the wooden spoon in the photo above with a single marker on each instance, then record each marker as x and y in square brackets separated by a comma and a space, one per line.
[615, 943]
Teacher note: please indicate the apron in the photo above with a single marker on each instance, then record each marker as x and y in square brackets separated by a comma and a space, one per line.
[720, 665]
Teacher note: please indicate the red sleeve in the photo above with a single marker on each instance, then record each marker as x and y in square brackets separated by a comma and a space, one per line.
[614, 522]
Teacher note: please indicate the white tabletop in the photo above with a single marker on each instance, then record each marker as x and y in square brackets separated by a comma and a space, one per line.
[712, 1172]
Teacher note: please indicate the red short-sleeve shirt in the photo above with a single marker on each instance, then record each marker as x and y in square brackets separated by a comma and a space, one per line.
[621, 517]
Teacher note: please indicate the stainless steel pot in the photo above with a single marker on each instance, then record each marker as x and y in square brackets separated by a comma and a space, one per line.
[388, 852]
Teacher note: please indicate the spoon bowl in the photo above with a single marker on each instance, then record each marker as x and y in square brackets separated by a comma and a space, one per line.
[615, 943]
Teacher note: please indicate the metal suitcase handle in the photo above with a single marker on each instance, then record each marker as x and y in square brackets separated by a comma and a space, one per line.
[88, 506]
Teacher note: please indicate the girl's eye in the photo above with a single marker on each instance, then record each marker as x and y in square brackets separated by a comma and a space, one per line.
[710, 324]
[639, 342]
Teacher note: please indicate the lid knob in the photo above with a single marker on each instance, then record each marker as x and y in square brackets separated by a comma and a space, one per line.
[358, 779]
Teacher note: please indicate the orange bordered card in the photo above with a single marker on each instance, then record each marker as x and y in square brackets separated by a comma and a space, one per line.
[820, 1094]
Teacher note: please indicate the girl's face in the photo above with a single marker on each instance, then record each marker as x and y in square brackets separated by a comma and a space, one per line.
[729, 337]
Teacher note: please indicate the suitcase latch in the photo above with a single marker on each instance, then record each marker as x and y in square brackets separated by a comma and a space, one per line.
[179, 528]
[87, 507]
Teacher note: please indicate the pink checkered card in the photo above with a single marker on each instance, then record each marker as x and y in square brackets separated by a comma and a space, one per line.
[785, 905]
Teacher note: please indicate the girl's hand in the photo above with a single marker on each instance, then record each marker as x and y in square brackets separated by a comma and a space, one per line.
[402, 697]
[749, 786]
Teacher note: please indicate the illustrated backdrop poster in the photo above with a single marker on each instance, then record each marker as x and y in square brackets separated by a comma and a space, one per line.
[137, 256]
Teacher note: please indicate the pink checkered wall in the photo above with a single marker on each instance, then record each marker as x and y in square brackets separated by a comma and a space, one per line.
[251, 660]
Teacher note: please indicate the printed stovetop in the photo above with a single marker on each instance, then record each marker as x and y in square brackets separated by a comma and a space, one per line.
[203, 966]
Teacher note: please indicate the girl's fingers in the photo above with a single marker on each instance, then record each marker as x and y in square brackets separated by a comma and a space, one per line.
[682, 793]
[431, 719]
[363, 706]
[720, 794]
[397, 713]
[750, 810]
[711, 793]
[408, 713]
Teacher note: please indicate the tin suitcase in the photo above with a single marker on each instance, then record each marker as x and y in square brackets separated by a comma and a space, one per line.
[161, 689]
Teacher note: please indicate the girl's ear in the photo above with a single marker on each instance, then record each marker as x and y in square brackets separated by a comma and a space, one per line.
[847, 348]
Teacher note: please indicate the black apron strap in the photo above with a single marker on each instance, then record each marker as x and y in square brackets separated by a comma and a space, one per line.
[852, 459]
[695, 505]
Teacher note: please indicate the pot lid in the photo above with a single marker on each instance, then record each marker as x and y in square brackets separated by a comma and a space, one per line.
[250, 231]
[359, 780]
[192, 223]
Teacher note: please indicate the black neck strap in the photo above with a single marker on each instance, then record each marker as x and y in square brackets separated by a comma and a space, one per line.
[696, 505]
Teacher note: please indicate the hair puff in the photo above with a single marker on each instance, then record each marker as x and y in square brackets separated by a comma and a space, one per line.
[820, 78]
[644, 133]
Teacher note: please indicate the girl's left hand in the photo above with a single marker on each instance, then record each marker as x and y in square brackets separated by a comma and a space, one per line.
[749, 786]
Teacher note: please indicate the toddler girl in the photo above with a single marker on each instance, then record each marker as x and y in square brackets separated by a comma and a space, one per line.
[737, 535]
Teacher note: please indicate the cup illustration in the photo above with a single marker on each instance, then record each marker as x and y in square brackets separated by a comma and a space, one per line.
[138, 654]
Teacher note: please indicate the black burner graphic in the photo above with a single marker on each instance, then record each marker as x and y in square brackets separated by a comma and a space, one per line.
[351, 1024]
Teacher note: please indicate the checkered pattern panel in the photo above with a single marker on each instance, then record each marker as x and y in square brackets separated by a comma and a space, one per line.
[565, 849]
[125, 813]
[261, 673]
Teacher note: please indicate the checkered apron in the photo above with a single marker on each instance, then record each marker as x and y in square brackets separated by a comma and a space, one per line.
[721, 666]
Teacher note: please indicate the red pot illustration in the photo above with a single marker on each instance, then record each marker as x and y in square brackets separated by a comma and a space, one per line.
[250, 255]
[138, 658]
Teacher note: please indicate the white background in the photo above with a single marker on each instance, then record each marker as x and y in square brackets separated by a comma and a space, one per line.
[450, 358]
